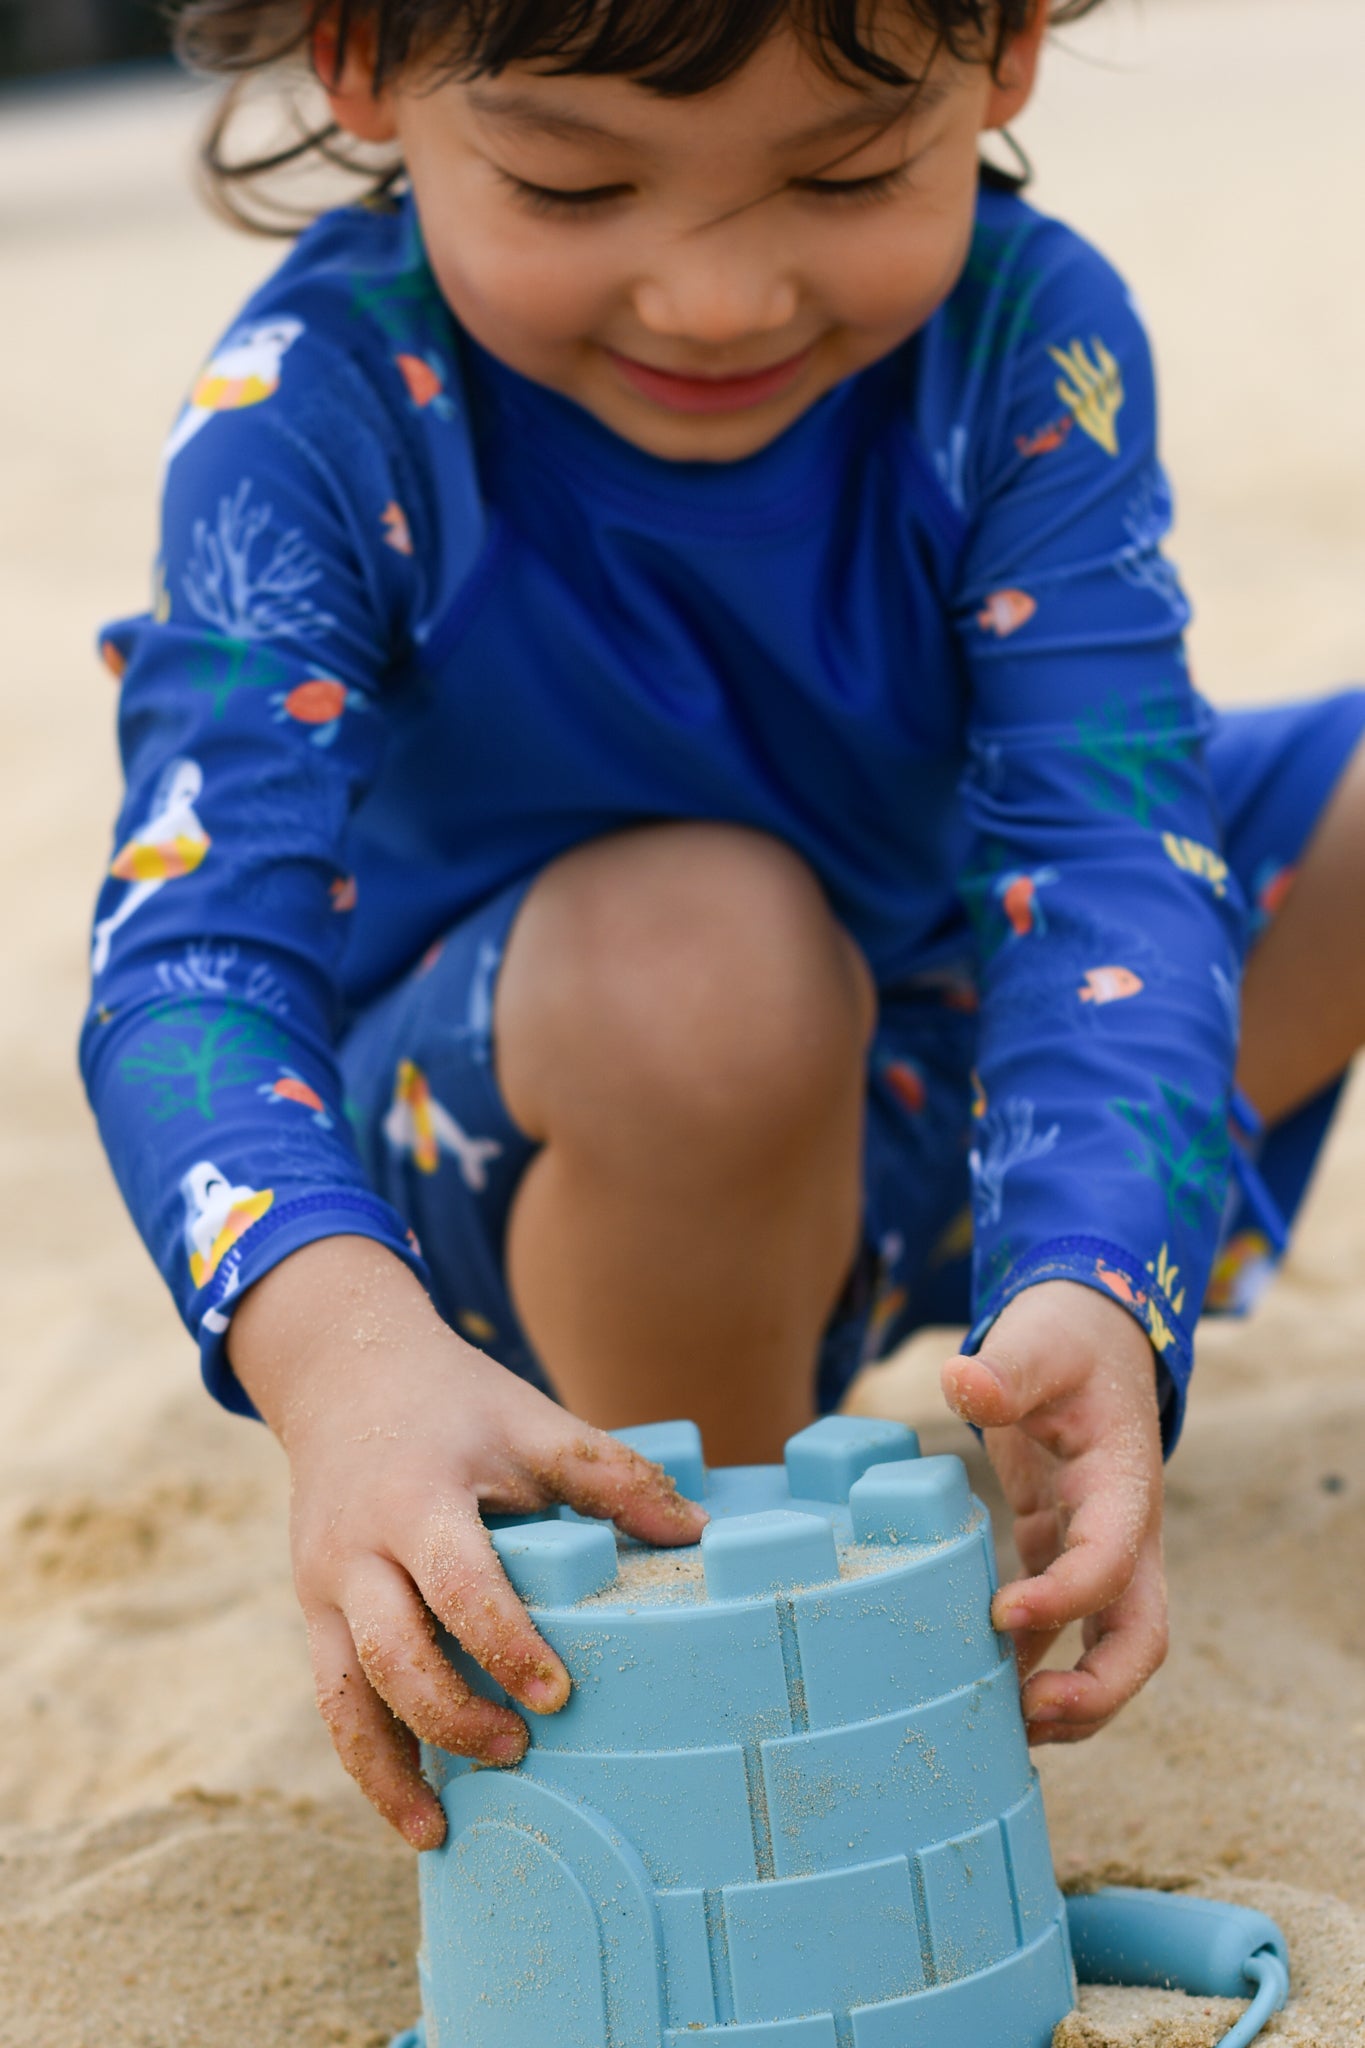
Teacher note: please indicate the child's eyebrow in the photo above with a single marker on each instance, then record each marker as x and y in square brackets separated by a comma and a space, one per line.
[526, 110]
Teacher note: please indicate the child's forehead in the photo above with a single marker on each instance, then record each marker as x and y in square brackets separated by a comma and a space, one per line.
[783, 95]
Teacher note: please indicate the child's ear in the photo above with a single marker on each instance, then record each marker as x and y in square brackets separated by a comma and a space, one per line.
[349, 85]
[1017, 71]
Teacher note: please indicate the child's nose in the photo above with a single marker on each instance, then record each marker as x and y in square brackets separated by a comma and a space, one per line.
[703, 295]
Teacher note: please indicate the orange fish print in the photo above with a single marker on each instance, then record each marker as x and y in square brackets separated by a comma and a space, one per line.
[319, 702]
[907, 1085]
[397, 532]
[1047, 440]
[1005, 611]
[1110, 985]
[291, 1087]
[114, 659]
[980, 1100]
[343, 893]
[426, 384]
[1018, 896]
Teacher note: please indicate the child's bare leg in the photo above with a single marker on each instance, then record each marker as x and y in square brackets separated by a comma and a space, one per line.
[1303, 1013]
[683, 1024]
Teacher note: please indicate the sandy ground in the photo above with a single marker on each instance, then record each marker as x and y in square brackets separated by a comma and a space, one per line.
[181, 1861]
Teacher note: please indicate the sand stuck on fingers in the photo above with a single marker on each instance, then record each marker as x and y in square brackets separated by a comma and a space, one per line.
[182, 1862]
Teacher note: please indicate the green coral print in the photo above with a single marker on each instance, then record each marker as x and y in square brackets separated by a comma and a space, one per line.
[1132, 767]
[226, 665]
[192, 1052]
[1183, 1150]
[994, 1269]
[406, 306]
[989, 280]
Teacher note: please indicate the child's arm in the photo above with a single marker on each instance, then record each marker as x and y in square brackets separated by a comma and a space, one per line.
[398, 1433]
[1109, 937]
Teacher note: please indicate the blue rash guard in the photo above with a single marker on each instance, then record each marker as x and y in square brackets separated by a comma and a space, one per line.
[420, 625]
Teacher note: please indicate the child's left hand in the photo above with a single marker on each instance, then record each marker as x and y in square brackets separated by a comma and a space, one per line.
[1064, 1389]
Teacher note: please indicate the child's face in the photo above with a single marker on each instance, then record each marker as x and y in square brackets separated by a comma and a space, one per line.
[779, 229]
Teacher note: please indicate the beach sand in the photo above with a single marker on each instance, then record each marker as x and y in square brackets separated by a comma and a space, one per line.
[181, 1860]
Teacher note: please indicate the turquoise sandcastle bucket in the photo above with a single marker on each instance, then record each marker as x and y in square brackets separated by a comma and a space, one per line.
[789, 1803]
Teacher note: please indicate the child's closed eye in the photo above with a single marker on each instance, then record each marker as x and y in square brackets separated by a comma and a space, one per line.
[548, 199]
[881, 185]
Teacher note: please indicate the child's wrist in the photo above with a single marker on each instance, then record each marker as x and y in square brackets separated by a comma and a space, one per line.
[334, 1313]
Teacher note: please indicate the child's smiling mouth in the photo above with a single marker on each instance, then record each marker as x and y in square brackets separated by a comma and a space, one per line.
[709, 394]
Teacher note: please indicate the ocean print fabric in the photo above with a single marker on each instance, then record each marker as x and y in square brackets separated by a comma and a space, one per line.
[420, 625]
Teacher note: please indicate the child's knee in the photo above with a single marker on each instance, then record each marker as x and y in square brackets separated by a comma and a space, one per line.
[686, 979]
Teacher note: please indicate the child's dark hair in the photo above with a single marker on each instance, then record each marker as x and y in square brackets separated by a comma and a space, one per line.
[672, 47]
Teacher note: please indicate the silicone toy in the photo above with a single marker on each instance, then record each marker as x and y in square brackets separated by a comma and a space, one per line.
[789, 1803]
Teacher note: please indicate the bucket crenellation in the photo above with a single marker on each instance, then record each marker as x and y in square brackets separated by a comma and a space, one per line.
[789, 1803]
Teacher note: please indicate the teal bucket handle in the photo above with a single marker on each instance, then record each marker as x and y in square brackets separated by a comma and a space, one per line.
[1173, 1942]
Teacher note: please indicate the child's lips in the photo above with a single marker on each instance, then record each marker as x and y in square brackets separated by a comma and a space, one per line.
[709, 394]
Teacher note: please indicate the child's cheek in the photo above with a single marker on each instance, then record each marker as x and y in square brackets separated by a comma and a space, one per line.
[520, 288]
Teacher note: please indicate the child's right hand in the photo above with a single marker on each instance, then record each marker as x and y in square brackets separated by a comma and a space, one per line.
[398, 1433]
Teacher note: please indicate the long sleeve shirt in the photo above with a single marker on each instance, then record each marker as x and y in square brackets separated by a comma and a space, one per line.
[420, 625]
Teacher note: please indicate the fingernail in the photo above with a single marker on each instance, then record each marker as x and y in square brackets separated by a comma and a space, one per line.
[1009, 1614]
[506, 1749]
[1046, 1710]
[424, 1829]
[546, 1694]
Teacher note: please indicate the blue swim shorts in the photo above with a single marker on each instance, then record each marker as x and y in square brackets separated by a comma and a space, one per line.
[439, 1144]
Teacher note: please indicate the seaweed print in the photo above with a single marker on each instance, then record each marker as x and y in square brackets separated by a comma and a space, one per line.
[243, 601]
[1132, 768]
[1183, 1149]
[1092, 390]
[190, 1054]
[1005, 1138]
[1147, 521]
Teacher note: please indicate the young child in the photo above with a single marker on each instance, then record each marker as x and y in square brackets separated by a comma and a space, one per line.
[669, 839]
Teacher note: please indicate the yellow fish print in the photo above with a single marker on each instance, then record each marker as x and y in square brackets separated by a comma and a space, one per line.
[217, 1215]
[245, 371]
[1201, 861]
[170, 843]
[1092, 390]
[419, 1124]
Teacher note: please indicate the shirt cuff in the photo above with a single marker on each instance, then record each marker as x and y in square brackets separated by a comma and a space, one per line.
[328, 1212]
[1113, 1272]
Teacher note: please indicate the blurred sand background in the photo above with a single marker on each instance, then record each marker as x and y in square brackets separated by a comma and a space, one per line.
[181, 1860]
